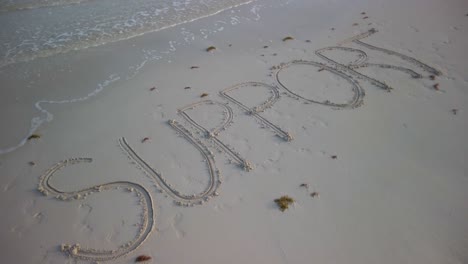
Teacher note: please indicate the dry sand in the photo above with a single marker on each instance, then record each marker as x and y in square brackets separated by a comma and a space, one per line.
[353, 112]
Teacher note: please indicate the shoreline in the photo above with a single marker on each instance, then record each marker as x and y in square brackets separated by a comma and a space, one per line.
[376, 174]
[36, 122]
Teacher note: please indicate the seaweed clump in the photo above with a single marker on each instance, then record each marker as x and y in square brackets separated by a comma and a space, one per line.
[34, 136]
[142, 258]
[283, 202]
[211, 48]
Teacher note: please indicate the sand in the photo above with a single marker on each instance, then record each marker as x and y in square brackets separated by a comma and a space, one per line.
[362, 125]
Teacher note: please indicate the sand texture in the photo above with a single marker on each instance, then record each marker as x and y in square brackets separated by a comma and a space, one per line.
[264, 132]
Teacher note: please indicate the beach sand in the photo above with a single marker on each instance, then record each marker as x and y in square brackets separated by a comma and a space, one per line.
[155, 146]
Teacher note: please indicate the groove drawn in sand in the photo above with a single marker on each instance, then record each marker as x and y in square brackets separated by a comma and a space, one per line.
[348, 69]
[410, 72]
[213, 133]
[254, 111]
[179, 198]
[402, 56]
[358, 92]
[90, 254]
[361, 63]
[363, 58]
[359, 36]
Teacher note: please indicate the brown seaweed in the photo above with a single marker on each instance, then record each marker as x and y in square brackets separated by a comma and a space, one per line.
[34, 136]
[283, 202]
[142, 258]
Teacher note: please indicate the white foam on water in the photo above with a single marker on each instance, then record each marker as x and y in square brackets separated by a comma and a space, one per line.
[255, 10]
[42, 32]
[17, 5]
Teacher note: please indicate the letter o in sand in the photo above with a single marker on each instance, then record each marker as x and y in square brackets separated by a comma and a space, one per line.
[318, 83]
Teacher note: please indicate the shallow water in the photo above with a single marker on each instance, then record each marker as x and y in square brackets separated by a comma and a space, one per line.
[40, 28]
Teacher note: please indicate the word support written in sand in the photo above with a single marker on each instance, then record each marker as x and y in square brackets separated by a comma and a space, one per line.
[199, 136]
